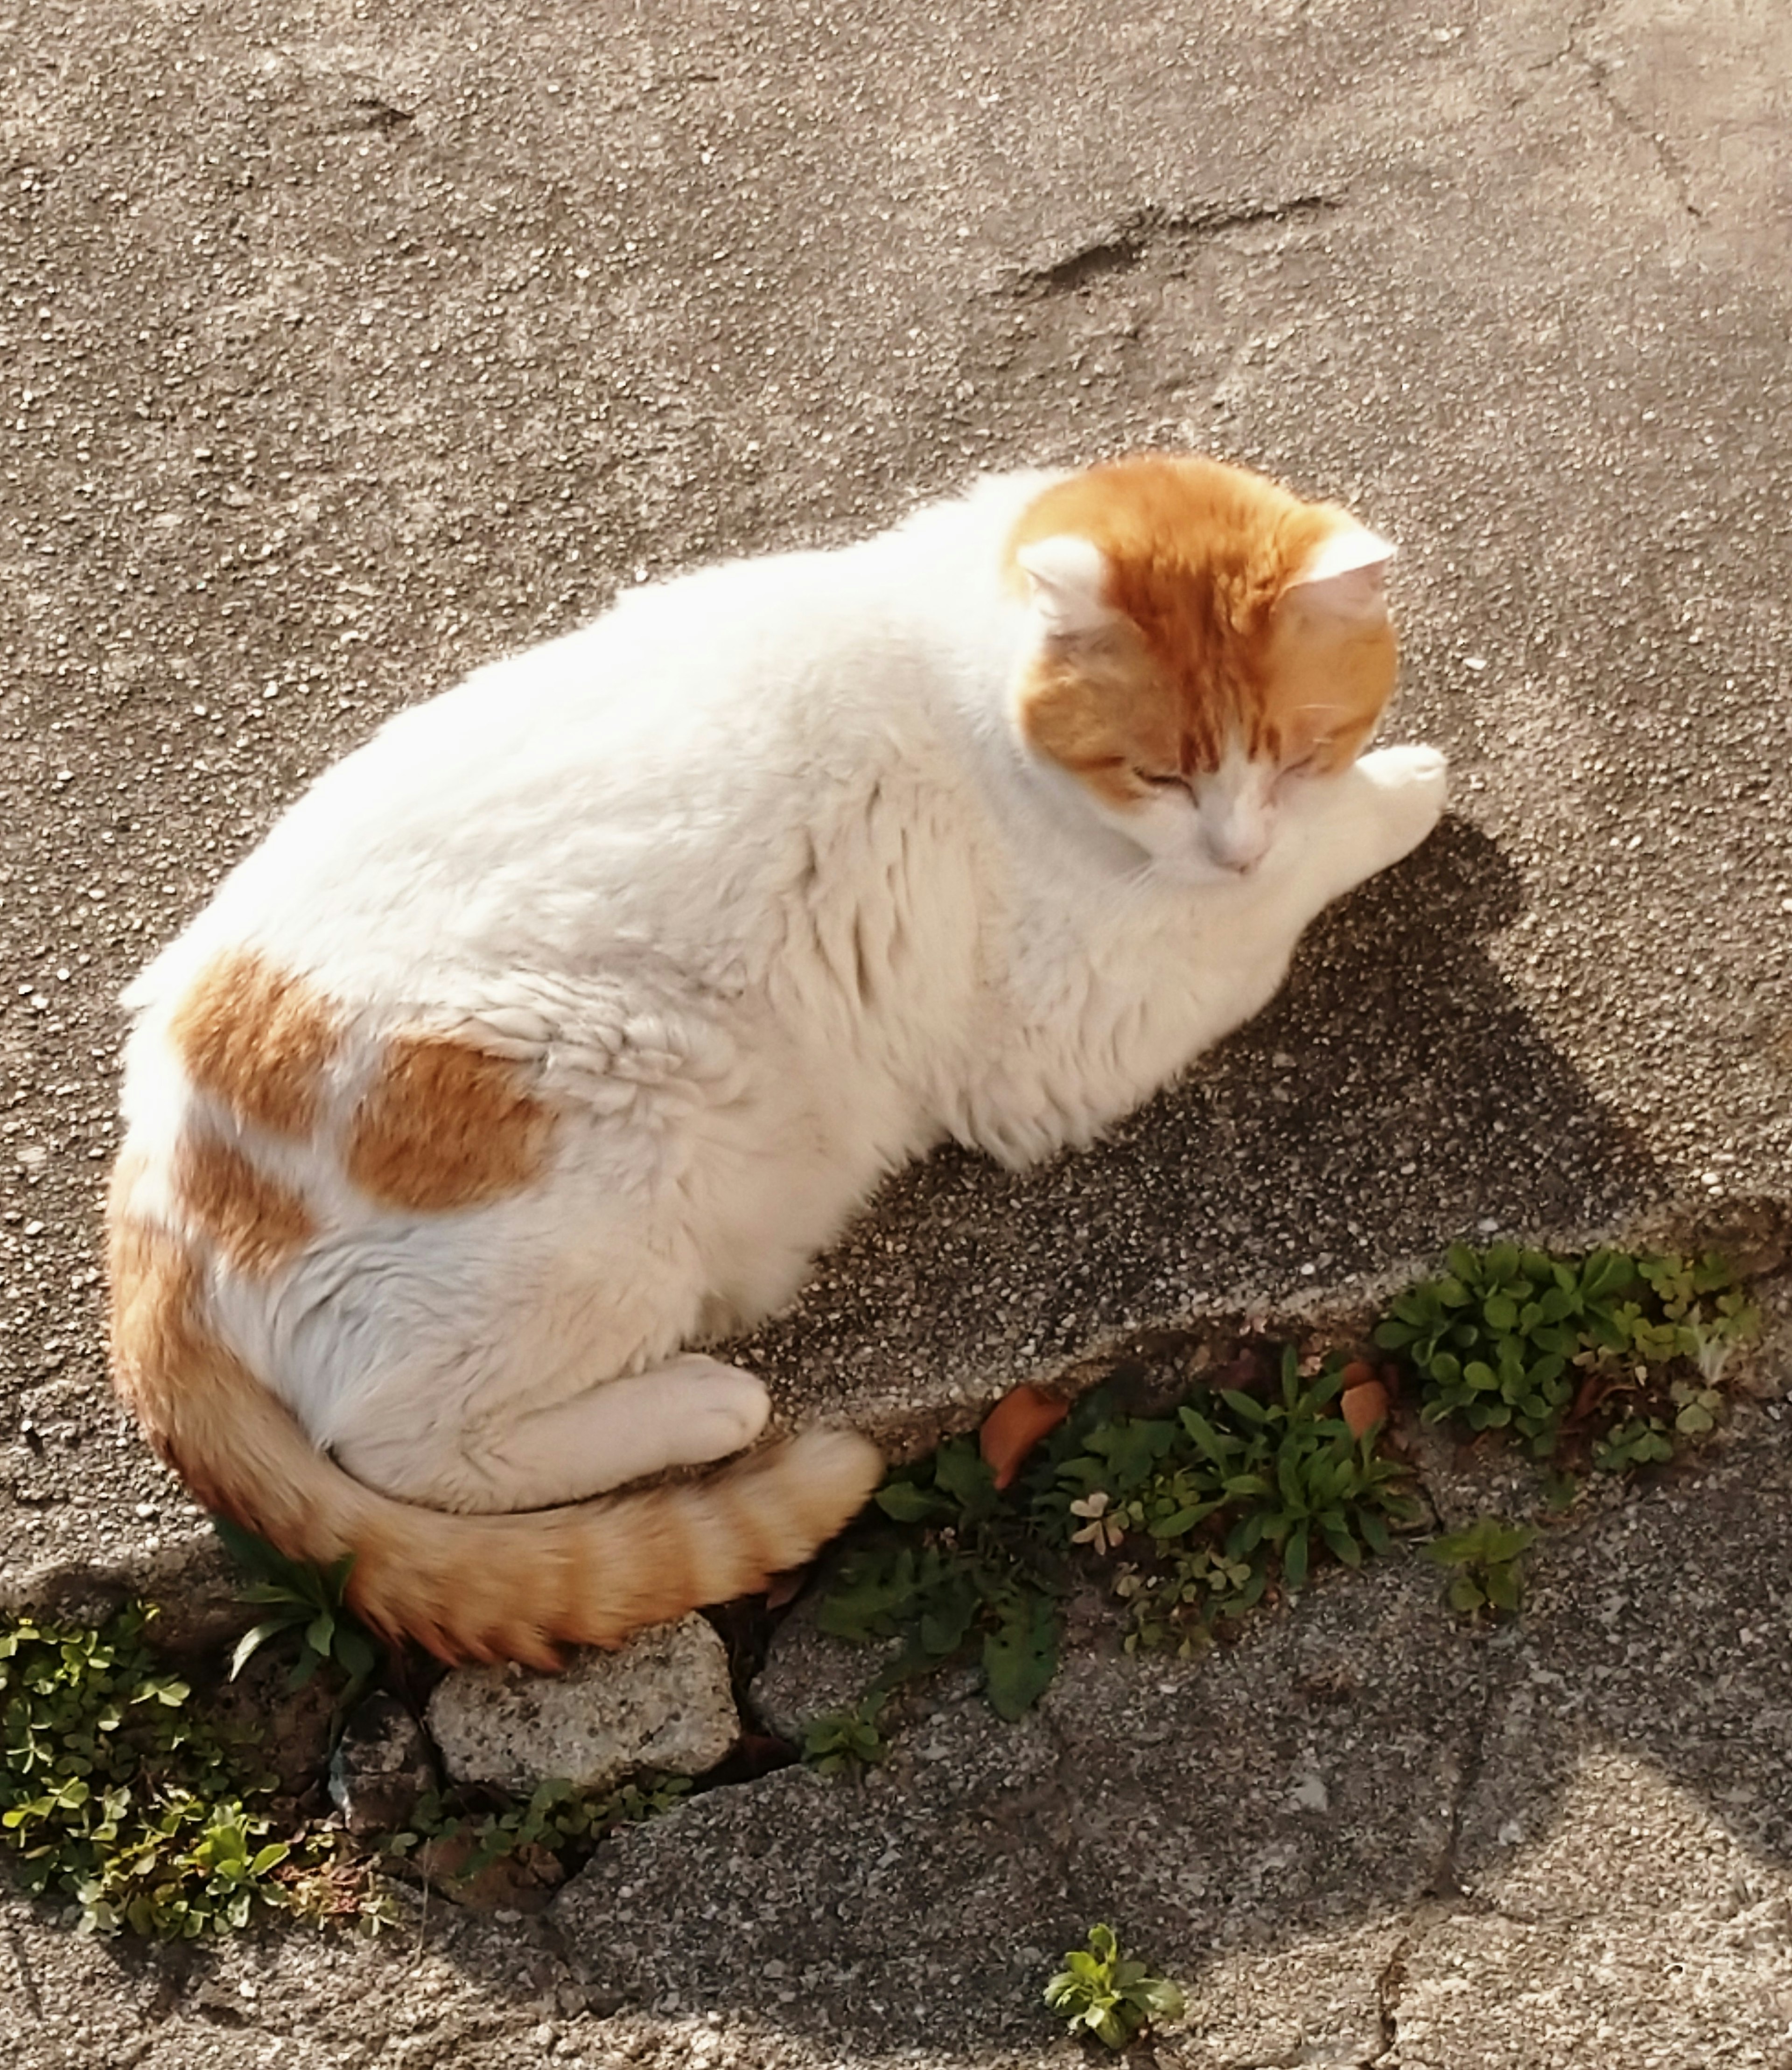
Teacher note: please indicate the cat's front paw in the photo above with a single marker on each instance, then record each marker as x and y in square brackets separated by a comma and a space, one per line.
[1413, 767]
[1411, 786]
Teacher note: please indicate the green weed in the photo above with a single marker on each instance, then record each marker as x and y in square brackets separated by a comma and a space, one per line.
[1503, 1339]
[962, 1572]
[1228, 1495]
[847, 1741]
[1639, 1441]
[305, 1602]
[1102, 1992]
[555, 1817]
[1485, 1560]
[116, 1797]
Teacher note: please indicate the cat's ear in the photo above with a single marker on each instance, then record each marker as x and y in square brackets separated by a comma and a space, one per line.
[1345, 574]
[1066, 576]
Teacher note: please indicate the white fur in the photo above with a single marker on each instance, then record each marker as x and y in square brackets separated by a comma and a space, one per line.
[756, 882]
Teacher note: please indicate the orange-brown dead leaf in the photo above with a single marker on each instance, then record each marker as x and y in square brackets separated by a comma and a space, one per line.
[1014, 1427]
[1363, 1406]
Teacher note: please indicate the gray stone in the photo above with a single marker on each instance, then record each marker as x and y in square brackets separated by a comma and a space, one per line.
[664, 1701]
[380, 1767]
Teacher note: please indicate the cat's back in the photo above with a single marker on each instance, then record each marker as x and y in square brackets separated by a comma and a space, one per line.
[642, 779]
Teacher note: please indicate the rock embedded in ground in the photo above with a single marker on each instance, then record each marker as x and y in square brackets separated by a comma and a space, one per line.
[380, 1767]
[664, 1701]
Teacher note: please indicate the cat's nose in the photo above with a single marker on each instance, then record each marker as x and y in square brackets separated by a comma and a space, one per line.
[1238, 848]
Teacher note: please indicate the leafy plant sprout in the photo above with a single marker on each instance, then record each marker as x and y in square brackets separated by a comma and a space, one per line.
[1231, 1492]
[1503, 1339]
[963, 1572]
[847, 1741]
[309, 1602]
[117, 1797]
[1099, 1991]
[1484, 1559]
[554, 1816]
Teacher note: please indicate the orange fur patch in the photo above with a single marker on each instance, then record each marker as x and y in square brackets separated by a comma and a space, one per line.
[256, 1222]
[158, 1337]
[446, 1125]
[1214, 644]
[258, 1041]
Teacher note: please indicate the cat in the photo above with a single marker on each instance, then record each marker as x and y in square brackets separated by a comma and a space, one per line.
[554, 1031]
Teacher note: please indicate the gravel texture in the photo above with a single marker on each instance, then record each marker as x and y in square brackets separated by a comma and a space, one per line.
[343, 347]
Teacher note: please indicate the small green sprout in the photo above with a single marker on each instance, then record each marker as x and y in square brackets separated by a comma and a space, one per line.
[962, 1571]
[1640, 1440]
[309, 1600]
[555, 1816]
[1698, 1409]
[1212, 1503]
[1498, 1339]
[1486, 1559]
[1560, 1491]
[1100, 1992]
[847, 1741]
[1493, 1338]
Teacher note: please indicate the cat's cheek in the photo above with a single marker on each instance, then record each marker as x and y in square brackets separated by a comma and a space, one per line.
[1176, 839]
[1168, 826]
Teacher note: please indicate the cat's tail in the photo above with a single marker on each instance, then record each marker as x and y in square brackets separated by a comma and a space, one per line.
[468, 1587]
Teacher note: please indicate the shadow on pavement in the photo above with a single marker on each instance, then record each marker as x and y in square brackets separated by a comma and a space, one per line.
[1396, 1096]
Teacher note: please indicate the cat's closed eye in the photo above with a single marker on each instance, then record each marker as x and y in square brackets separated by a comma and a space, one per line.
[1165, 781]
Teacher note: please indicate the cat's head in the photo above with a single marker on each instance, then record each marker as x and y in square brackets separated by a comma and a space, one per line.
[1202, 645]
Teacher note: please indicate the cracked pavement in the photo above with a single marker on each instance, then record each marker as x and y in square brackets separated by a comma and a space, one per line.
[343, 347]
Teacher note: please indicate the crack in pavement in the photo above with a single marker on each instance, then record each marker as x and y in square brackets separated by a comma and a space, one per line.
[1388, 1988]
[1669, 163]
[1449, 1899]
[1129, 241]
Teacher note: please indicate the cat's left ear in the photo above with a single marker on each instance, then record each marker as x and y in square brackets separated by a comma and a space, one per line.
[1066, 576]
[1345, 574]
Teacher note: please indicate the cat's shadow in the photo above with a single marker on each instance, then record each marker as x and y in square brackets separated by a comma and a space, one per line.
[1398, 1094]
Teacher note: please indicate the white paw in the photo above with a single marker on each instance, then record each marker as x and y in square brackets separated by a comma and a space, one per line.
[1425, 770]
[717, 1412]
[1411, 785]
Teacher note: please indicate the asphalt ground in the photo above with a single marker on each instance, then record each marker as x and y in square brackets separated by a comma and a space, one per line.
[346, 346]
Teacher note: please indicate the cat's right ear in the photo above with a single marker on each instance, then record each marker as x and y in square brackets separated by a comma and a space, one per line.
[1345, 576]
[1066, 576]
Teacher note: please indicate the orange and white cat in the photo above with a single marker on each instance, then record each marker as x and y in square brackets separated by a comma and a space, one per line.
[554, 1031]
